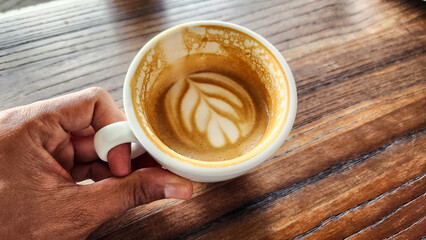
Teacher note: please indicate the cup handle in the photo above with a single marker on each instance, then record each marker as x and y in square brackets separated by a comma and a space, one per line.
[114, 134]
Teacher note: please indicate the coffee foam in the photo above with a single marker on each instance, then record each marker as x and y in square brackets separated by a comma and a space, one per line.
[211, 39]
[221, 109]
[208, 108]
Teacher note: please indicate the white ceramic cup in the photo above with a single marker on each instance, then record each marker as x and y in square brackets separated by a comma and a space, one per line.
[173, 44]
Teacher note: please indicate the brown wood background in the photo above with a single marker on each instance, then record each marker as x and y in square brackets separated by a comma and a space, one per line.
[354, 165]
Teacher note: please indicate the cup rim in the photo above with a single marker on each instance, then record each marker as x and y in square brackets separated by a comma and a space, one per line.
[212, 170]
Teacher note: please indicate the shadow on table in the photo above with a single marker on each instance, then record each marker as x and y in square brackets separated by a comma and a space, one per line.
[221, 209]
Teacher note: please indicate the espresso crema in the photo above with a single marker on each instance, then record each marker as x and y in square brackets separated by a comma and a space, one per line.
[208, 107]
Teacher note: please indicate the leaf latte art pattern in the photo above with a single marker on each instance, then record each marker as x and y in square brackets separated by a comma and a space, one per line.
[211, 106]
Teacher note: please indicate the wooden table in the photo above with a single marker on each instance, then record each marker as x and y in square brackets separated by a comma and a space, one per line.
[354, 164]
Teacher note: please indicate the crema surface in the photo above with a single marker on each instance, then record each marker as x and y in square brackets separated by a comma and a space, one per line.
[208, 107]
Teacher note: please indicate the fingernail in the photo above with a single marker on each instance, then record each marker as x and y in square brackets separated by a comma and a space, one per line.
[178, 191]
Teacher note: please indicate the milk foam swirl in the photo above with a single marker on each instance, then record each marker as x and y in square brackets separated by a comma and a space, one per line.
[212, 106]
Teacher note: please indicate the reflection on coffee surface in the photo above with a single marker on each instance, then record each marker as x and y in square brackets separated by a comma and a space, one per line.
[208, 107]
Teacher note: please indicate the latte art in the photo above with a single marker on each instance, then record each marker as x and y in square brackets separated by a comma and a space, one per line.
[210, 105]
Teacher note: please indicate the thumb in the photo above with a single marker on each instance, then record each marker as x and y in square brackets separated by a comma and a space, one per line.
[112, 196]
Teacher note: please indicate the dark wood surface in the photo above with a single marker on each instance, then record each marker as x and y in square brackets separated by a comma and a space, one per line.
[354, 165]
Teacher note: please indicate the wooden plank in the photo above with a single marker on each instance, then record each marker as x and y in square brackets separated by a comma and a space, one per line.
[337, 195]
[352, 165]
[337, 96]
[103, 60]
[400, 219]
[307, 136]
[349, 118]
[295, 167]
[370, 212]
[414, 231]
[8, 5]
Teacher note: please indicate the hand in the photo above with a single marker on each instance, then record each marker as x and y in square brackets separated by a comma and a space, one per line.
[47, 146]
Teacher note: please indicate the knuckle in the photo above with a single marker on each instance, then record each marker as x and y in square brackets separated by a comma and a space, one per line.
[97, 92]
[145, 191]
[150, 193]
[43, 124]
[8, 115]
[32, 119]
[132, 195]
[11, 118]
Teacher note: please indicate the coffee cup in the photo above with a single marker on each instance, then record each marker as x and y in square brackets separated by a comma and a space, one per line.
[208, 100]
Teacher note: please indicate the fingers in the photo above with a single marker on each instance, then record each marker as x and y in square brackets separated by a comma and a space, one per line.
[115, 195]
[92, 108]
[85, 207]
[119, 160]
[86, 157]
[95, 170]
[84, 132]
[64, 154]
[118, 157]
[98, 170]
[84, 149]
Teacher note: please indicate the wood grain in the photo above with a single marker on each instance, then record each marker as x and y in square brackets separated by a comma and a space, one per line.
[298, 170]
[354, 165]
[7, 5]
